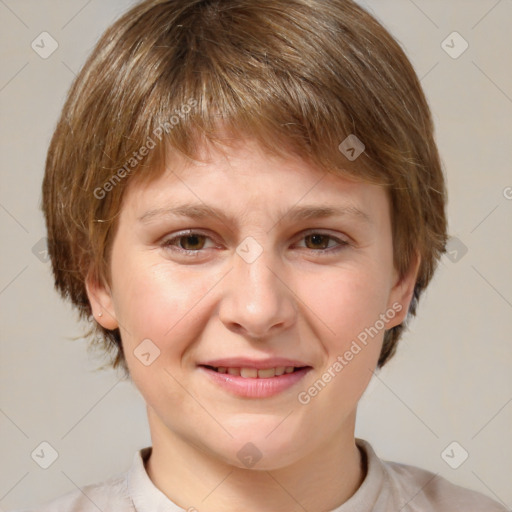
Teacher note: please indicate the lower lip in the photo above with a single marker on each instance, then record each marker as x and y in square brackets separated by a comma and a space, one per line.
[255, 387]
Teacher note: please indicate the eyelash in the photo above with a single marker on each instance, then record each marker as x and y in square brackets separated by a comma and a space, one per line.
[169, 243]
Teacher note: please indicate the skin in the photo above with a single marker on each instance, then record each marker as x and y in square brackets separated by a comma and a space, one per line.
[293, 301]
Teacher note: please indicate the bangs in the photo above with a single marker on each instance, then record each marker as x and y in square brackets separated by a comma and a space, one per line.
[224, 72]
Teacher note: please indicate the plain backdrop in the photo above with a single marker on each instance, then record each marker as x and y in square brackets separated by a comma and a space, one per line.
[451, 379]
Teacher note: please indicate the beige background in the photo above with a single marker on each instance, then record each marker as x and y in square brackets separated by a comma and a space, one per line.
[451, 380]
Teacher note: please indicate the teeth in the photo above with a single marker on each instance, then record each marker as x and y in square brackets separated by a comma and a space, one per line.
[265, 374]
[248, 373]
[253, 373]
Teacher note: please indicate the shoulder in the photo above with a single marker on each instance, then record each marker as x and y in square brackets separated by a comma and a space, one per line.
[391, 486]
[423, 490]
[111, 495]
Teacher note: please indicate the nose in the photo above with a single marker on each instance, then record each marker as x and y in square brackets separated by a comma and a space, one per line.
[257, 303]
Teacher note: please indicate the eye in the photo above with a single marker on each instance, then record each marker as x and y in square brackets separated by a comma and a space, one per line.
[322, 242]
[188, 242]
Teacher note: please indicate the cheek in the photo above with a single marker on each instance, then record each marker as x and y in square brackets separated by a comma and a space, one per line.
[347, 301]
[159, 302]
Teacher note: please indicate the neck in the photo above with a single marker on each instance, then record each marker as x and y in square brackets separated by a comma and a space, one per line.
[195, 479]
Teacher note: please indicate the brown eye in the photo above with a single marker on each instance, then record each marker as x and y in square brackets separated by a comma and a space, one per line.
[322, 243]
[189, 242]
[192, 242]
[317, 241]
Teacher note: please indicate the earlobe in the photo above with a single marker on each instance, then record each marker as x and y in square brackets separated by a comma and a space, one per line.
[100, 298]
[402, 292]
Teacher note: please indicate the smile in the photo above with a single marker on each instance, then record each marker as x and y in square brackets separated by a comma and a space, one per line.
[250, 382]
[255, 373]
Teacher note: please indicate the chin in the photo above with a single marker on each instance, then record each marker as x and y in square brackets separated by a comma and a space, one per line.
[258, 447]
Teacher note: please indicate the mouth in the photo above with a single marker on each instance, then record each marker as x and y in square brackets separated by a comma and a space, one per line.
[255, 373]
[254, 379]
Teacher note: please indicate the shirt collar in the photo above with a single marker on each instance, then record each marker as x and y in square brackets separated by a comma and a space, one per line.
[145, 495]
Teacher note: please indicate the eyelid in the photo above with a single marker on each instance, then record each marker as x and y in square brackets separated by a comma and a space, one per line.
[182, 234]
[341, 237]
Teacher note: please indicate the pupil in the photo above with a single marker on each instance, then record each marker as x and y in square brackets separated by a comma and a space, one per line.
[195, 242]
[318, 239]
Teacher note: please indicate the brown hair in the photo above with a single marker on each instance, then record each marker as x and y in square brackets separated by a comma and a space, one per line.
[297, 75]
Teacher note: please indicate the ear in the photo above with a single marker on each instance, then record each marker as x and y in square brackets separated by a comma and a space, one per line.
[401, 294]
[102, 304]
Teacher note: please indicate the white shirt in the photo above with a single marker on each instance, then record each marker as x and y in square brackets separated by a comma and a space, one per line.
[387, 487]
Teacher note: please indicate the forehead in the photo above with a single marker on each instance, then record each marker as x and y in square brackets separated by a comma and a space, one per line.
[238, 179]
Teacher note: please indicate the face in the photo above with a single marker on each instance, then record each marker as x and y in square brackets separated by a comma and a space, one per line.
[252, 294]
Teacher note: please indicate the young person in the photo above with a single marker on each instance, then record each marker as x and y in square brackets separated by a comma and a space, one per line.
[247, 201]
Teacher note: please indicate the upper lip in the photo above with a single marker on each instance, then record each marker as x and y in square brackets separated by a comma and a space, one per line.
[259, 364]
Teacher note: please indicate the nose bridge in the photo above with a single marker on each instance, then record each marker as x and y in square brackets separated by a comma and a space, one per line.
[258, 282]
[257, 300]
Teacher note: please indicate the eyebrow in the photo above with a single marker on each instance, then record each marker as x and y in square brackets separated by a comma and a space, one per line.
[296, 213]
